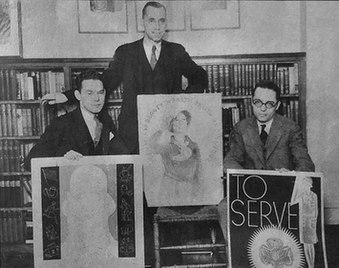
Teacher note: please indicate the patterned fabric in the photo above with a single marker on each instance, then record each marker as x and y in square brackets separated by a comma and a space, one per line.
[263, 134]
[153, 58]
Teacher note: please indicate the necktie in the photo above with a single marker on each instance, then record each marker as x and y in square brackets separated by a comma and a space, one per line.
[98, 129]
[153, 61]
[263, 134]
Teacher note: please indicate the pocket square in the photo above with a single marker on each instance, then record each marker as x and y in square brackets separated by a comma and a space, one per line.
[111, 135]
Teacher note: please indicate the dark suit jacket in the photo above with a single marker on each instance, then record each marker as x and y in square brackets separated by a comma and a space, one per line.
[285, 147]
[70, 132]
[126, 67]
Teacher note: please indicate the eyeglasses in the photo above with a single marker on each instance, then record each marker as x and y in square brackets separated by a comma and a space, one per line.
[268, 105]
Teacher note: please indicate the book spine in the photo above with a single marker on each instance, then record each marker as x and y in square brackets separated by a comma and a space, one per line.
[5, 153]
[5, 226]
[2, 193]
[10, 155]
[210, 79]
[215, 77]
[227, 80]
[221, 70]
[7, 85]
[2, 86]
[9, 120]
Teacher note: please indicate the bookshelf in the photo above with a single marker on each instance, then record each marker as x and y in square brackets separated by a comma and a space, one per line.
[23, 117]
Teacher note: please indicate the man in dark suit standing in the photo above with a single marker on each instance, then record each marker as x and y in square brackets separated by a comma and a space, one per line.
[150, 65]
[88, 130]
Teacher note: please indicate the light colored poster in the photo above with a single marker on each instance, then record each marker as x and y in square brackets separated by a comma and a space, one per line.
[180, 139]
[88, 213]
[275, 219]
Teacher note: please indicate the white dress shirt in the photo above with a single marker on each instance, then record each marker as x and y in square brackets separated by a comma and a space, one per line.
[148, 44]
[267, 128]
[90, 122]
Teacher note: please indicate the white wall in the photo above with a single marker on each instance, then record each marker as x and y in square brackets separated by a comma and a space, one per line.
[323, 96]
[50, 30]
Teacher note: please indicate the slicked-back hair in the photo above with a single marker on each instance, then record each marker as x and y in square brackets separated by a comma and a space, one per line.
[89, 74]
[269, 85]
[152, 4]
[188, 116]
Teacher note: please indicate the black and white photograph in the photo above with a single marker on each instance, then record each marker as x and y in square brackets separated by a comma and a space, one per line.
[191, 94]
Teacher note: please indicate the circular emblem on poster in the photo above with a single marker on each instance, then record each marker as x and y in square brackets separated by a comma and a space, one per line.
[276, 247]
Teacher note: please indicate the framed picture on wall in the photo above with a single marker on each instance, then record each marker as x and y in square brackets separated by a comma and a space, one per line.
[10, 28]
[88, 213]
[102, 16]
[175, 11]
[214, 14]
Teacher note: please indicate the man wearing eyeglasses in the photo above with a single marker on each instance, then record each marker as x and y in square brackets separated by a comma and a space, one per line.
[267, 140]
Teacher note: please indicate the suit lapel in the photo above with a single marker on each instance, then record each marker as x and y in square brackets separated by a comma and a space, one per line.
[81, 133]
[273, 137]
[139, 57]
[106, 121]
[254, 138]
[165, 61]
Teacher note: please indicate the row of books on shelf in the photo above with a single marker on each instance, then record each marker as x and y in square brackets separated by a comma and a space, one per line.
[23, 120]
[114, 112]
[15, 192]
[16, 226]
[232, 113]
[240, 79]
[117, 93]
[13, 155]
[29, 85]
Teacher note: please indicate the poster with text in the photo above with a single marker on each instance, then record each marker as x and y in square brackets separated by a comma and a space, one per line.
[88, 213]
[275, 219]
[180, 139]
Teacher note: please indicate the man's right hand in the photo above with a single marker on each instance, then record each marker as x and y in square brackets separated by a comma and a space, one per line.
[73, 155]
[53, 98]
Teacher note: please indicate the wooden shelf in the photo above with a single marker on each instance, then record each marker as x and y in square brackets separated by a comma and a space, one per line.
[28, 209]
[23, 173]
[28, 102]
[20, 138]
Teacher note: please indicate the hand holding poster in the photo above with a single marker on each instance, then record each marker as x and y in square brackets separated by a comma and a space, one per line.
[275, 219]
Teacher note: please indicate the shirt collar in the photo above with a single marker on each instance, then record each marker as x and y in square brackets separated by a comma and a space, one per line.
[148, 44]
[268, 126]
[86, 114]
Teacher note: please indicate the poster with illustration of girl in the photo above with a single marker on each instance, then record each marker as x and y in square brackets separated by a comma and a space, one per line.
[180, 140]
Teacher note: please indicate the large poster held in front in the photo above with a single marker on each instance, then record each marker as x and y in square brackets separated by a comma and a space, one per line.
[275, 219]
[88, 213]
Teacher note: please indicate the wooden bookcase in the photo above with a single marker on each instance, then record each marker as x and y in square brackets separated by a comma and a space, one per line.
[24, 118]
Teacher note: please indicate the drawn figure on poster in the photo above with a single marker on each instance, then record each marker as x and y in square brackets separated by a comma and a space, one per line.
[308, 214]
[87, 207]
[180, 156]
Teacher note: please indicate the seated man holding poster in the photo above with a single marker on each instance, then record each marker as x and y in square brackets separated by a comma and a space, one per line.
[266, 140]
[88, 130]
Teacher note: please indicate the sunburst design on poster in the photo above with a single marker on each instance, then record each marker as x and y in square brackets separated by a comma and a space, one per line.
[274, 247]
